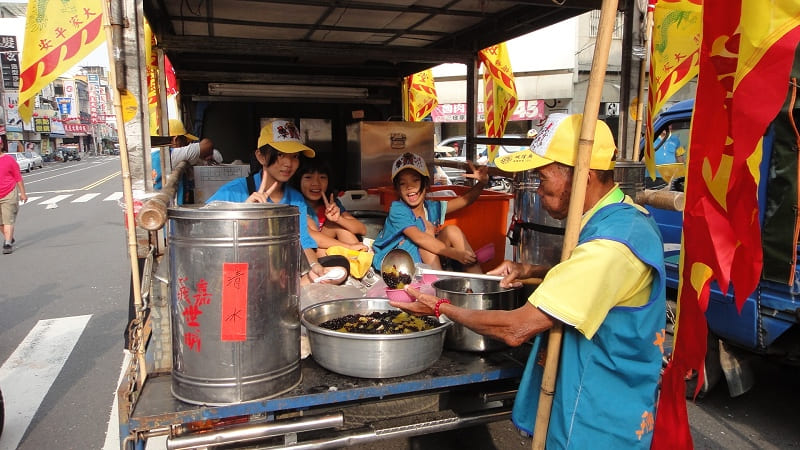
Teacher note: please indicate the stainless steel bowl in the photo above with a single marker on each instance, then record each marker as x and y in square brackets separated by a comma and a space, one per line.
[369, 355]
[486, 294]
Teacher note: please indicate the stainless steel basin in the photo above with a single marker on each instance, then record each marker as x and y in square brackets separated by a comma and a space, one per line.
[474, 294]
[369, 355]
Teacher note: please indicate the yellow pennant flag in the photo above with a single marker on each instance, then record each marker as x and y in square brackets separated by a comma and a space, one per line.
[58, 35]
[499, 91]
[421, 95]
[675, 52]
[151, 56]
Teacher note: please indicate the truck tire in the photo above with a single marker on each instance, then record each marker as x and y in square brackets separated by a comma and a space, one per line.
[386, 409]
[2, 413]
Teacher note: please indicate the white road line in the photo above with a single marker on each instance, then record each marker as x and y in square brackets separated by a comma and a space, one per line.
[113, 197]
[112, 431]
[56, 199]
[31, 200]
[85, 198]
[28, 373]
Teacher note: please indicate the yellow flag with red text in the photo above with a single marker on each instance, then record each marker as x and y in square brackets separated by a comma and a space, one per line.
[674, 55]
[745, 63]
[151, 56]
[421, 93]
[499, 91]
[58, 35]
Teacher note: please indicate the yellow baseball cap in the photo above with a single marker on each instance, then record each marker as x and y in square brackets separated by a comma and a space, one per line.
[557, 141]
[284, 135]
[410, 161]
[176, 128]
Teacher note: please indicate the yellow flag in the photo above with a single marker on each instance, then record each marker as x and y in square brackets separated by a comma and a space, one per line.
[499, 91]
[677, 32]
[58, 35]
[421, 95]
[151, 56]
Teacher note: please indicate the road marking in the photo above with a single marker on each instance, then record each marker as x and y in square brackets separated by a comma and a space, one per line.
[100, 181]
[113, 197]
[56, 199]
[30, 200]
[28, 373]
[85, 198]
[112, 431]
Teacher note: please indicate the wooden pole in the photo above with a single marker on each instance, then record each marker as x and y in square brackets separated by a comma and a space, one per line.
[648, 30]
[127, 187]
[579, 180]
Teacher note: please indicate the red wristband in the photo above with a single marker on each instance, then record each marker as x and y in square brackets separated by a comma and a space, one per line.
[438, 304]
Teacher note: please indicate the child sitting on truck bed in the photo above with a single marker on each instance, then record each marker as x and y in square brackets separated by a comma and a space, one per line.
[415, 224]
[329, 223]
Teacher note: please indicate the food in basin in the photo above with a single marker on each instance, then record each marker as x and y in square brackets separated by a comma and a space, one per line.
[370, 355]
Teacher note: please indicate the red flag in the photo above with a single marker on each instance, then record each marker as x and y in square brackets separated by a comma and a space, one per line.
[58, 35]
[745, 62]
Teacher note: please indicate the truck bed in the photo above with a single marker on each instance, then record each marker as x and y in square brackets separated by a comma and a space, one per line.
[321, 389]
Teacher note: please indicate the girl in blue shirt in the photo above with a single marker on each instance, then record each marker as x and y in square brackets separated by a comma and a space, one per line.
[329, 223]
[416, 224]
[278, 153]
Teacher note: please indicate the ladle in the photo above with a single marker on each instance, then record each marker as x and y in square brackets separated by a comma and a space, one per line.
[402, 261]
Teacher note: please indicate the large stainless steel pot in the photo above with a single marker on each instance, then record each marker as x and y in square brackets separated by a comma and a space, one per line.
[369, 355]
[473, 293]
[235, 328]
[537, 238]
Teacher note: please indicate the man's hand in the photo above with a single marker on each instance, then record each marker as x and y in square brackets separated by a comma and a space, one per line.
[423, 306]
[510, 271]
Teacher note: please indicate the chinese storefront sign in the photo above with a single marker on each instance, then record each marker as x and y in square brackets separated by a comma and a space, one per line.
[41, 124]
[9, 62]
[457, 112]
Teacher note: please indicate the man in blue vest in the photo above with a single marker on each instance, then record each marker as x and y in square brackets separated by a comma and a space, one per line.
[609, 295]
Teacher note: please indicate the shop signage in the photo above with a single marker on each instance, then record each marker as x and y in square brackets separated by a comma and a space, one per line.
[64, 105]
[71, 93]
[41, 124]
[9, 62]
[13, 121]
[76, 128]
[457, 112]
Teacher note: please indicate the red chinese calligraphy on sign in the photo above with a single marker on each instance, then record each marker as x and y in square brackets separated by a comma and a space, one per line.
[191, 311]
[234, 302]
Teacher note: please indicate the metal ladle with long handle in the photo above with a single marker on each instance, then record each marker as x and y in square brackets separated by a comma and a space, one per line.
[401, 261]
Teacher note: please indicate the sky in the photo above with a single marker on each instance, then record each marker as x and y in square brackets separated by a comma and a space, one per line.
[16, 27]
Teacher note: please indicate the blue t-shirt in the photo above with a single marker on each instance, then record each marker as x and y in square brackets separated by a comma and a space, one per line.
[401, 217]
[236, 191]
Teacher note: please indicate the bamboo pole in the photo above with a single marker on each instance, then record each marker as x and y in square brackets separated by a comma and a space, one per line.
[153, 214]
[127, 187]
[576, 205]
[648, 31]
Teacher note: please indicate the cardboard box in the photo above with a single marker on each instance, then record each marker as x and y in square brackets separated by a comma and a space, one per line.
[207, 179]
